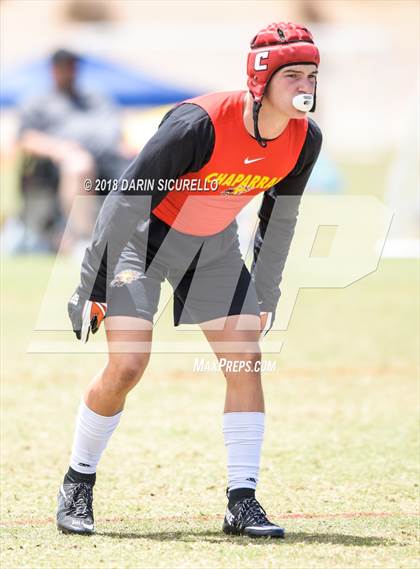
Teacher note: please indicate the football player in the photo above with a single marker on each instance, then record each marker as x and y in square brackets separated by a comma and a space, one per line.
[249, 142]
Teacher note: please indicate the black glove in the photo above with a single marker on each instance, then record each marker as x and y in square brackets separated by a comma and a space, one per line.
[86, 315]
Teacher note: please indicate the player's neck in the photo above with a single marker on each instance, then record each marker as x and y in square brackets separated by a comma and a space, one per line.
[271, 123]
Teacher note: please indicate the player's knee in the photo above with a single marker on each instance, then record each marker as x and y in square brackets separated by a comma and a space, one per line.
[127, 371]
[249, 351]
[242, 365]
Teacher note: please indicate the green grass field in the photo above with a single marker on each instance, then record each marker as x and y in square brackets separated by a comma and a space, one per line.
[340, 462]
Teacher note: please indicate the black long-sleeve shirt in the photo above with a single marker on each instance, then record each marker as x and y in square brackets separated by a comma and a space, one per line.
[184, 143]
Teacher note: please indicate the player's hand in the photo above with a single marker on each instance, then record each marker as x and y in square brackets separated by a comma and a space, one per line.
[266, 321]
[86, 315]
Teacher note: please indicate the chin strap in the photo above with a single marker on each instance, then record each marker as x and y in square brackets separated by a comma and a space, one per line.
[314, 105]
[255, 111]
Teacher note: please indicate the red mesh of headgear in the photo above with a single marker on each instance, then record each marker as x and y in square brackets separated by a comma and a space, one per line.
[275, 46]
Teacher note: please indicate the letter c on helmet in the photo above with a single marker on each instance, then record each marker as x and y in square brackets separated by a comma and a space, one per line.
[258, 66]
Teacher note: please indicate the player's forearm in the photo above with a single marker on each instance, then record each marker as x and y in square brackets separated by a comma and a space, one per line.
[114, 227]
[271, 249]
[278, 218]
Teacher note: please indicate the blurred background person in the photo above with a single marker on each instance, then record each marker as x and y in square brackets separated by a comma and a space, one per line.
[67, 136]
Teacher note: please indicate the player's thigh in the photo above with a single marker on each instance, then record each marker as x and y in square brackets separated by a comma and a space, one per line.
[215, 292]
[235, 336]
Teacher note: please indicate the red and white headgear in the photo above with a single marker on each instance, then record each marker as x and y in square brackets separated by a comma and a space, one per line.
[276, 46]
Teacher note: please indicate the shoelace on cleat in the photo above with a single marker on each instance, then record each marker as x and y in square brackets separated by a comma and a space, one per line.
[250, 512]
[80, 500]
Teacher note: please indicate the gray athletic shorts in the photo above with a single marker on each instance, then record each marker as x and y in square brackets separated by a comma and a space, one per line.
[208, 275]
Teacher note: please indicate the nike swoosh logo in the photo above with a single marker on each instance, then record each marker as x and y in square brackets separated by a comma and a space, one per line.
[85, 526]
[88, 526]
[250, 161]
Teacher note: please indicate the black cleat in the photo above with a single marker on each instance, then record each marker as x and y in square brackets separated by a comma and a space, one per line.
[247, 517]
[74, 512]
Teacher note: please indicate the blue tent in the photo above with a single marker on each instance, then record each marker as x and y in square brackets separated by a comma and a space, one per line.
[127, 87]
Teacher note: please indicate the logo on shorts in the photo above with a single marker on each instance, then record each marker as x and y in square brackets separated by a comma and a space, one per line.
[125, 277]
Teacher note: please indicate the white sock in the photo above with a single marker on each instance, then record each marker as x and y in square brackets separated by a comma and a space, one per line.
[243, 433]
[92, 434]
